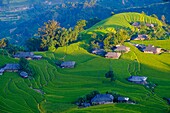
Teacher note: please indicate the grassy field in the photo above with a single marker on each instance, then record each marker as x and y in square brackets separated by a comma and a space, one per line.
[122, 20]
[63, 86]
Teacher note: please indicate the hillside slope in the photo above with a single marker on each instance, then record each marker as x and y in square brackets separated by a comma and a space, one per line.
[123, 20]
[62, 87]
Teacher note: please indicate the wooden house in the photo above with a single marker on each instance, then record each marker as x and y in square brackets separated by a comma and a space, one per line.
[102, 99]
[24, 74]
[151, 49]
[27, 55]
[99, 52]
[113, 55]
[122, 49]
[12, 67]
[138, 79]
[122, 99]
[139, 37]
[68, 64]
[1, 71]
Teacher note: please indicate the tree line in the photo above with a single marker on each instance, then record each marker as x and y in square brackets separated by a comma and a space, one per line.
[52, 36]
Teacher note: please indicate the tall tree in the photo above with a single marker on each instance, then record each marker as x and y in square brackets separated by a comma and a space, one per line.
[47, 34]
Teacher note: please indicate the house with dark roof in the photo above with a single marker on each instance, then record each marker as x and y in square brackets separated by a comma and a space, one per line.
[27, 55]
[24, 74]
[151, 49]
[99, 52]
[122, 49]
[136, 24]
[1, 71]
[102, 99]
[12, 67]
[122, 99]
[37, 57]
[150, 25]
[139, 37]
[138, 79]
[113, 55]
[68, 64]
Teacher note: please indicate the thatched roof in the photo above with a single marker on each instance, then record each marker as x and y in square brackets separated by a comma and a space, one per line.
[12, 67]
[137, 78]
[102, 98]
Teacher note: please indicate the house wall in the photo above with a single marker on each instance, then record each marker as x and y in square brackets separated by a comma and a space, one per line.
[148, 52]
[11, 70]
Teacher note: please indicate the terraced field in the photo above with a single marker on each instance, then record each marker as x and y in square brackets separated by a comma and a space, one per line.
[61, 87]
[122, 20]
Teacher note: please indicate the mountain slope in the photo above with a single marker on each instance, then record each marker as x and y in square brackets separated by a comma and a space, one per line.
[62, 87]
[123, 20]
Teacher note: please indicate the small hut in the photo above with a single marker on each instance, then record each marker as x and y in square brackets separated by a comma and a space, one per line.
[24, 74]
[122, 49]
[68, 64]
[123, 99]
[139, 37]
[1, 71]
[113, 55]
[12, 67]
[151, 49]
[138, 79]
[102, 99]
[99, 52]
[27, 55]
[37, 57]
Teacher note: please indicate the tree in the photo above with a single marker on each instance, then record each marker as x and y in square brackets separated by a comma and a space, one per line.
[24, 65]
[47, 34]
[91, 22]
[110, 75]
[153, 15]
[33, 44]
[53, 36]
[94, 35]
[3, 43]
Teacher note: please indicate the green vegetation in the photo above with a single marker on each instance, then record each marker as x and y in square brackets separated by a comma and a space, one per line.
[122, 20]
[53, 36]
[63, 86]
[25, 66]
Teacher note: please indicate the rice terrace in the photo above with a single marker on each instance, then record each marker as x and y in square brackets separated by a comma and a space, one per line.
[119, 65]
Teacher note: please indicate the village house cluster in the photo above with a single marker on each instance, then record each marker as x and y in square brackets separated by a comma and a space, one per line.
[105, 99]
[118, 50]
[27, 55]
[15, 67]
